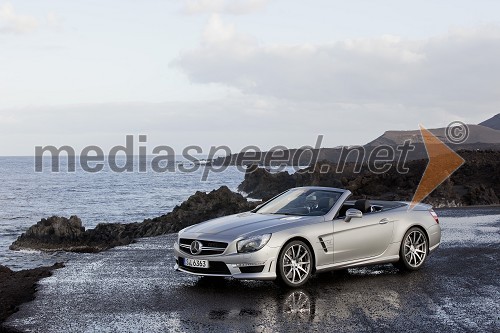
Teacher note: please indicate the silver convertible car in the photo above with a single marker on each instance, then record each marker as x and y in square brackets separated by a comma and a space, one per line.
[306, 230]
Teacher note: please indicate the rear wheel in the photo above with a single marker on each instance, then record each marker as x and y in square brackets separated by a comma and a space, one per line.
[414, 249]
[295, 264]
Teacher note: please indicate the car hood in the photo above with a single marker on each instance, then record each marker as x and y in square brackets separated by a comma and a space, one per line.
[243, 223]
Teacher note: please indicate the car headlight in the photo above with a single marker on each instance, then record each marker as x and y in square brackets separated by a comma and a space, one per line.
[253, 243]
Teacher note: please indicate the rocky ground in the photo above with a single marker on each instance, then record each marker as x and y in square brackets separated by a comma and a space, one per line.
[17, 288]
[476, 182]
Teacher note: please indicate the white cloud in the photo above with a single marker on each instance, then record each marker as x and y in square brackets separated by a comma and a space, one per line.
[53, 21]
[234, 7]
[458, 71]
[218, 32]
[12, 22]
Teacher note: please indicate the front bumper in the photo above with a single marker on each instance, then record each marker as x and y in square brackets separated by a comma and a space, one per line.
[236, 265]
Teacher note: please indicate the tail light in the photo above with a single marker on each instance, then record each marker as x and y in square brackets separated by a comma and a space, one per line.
[434, 215]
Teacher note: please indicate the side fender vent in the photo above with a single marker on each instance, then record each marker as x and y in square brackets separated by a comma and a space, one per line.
[323, 244]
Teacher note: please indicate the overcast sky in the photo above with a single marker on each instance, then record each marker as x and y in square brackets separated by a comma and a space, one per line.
[241, 72]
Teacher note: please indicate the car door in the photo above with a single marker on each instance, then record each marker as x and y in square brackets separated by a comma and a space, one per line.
[368, 236]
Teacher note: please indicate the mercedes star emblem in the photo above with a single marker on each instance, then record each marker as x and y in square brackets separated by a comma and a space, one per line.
[195, 247]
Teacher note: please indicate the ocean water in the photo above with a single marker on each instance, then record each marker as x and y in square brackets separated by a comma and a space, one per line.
[27, 196]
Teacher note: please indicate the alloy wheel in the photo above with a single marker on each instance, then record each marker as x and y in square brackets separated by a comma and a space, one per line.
[296, 263]
[414, 248]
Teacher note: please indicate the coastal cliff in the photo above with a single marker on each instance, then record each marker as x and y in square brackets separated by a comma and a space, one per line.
[476, 182]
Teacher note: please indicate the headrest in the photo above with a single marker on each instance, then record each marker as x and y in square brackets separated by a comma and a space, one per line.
[363, 205]
[325, 203]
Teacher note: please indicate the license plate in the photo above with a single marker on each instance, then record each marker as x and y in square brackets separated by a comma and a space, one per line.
[198, 263]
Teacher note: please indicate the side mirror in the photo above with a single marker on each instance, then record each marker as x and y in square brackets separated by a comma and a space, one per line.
[352, 213]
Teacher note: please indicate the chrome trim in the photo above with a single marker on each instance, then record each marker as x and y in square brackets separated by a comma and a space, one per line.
[205, 248]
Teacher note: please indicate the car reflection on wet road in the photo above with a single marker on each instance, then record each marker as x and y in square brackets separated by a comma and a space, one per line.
[134, 289]
[330, 297]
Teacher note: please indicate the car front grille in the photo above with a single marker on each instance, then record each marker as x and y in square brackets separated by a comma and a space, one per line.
[214, 267]
[208, 247]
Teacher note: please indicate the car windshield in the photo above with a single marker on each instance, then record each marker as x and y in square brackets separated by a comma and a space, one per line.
[303, 202]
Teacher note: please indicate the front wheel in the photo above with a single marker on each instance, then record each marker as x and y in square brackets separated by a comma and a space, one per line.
[295, 264]
[413, 250]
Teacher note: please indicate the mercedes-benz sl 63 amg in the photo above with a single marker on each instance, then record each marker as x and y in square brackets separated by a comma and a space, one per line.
[307, 230]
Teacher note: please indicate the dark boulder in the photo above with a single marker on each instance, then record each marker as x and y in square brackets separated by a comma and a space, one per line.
[198, 208]
[52, 234]
[261, 184]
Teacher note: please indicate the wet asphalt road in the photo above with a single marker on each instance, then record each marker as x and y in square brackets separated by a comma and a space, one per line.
[135, 289]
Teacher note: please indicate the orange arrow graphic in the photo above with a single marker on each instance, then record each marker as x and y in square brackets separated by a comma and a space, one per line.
[443, 161]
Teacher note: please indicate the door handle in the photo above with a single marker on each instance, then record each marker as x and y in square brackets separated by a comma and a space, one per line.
[384, 221]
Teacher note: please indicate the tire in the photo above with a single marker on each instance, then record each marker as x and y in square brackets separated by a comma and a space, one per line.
[295, 264]
[414, 250]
